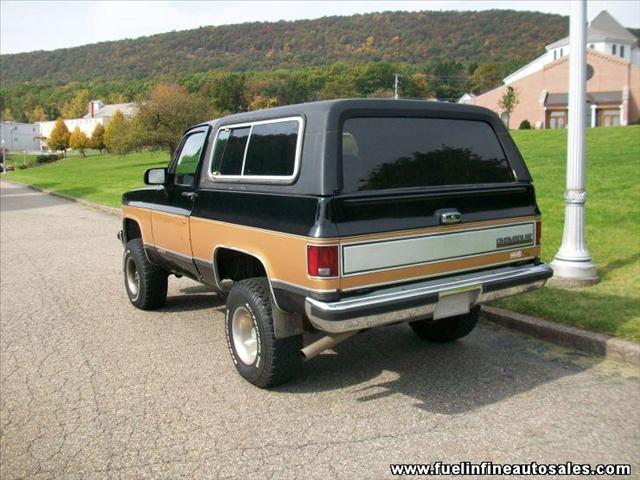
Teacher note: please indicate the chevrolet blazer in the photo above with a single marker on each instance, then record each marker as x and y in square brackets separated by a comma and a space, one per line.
[336, 217]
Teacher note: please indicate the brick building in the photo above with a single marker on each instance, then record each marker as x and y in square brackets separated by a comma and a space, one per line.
[613, 81]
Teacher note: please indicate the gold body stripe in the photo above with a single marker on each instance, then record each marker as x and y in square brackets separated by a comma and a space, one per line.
[285, 255]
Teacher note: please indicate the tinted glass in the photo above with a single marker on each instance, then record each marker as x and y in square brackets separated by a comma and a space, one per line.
[187, 163]
[272, 149]
[233, 151]
[420, 152]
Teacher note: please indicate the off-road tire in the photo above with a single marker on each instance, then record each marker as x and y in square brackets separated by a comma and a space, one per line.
[278, 359]
[447, 329]
[152, 280]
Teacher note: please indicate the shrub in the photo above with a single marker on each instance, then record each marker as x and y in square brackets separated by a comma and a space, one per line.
[525, 125]
[45, 158]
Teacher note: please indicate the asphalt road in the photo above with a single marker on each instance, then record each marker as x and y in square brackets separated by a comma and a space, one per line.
[93, 388]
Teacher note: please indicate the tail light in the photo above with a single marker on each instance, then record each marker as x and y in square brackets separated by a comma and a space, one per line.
[538, 232]
[322, 261]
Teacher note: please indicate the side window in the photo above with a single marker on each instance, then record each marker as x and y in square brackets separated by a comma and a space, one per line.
[272, 149]
[185, 170]
[262, 149]
[230, 147]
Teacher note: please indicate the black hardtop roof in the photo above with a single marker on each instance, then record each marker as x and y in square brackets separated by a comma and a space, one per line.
[325, 109]
[320, 162]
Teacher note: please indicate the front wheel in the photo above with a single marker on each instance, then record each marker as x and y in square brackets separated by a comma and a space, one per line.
[447, 329]
[146, 283]
[259, 357]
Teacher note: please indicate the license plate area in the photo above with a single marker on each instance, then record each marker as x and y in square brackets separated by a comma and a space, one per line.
[452, 304]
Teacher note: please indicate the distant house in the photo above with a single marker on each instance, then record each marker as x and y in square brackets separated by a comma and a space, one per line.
[613, 81]
[97, 113]
[17, 137]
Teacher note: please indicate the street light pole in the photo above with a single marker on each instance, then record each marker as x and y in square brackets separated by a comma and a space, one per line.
[395, 87]
[572, 264]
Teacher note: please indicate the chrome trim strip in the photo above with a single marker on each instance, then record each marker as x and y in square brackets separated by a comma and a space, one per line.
[455, 228]
[270, 179]
[445, 286]
[431, 248]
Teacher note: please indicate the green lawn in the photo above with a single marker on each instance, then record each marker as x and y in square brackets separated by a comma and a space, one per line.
[613, 217]
[19, 160]
[613, 228]
[98, 178]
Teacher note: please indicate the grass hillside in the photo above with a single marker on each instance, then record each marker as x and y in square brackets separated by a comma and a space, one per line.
[399, 37]
[613, 217]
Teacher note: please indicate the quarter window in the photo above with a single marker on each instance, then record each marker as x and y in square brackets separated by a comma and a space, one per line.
[261, 149]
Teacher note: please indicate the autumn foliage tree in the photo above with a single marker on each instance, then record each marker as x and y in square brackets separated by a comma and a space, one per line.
[78, 141]
[97, 138]
[59, 138]
[162, 119]
[117, 137]
[76, 107]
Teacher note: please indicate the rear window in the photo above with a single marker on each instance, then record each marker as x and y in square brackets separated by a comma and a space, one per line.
[261, 149]
[388, 153]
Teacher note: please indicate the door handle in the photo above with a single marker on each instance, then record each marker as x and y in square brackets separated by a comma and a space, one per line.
[189, 195]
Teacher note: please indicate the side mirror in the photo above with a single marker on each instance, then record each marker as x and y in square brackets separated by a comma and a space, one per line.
[155, 176]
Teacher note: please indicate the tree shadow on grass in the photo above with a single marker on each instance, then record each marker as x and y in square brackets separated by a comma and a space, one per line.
[617, 264]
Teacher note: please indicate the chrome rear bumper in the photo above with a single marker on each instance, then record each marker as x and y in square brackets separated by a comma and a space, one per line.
[419, 300]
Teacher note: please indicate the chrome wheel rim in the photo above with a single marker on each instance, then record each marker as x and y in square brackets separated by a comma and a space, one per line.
[132, 276]
[245, 336]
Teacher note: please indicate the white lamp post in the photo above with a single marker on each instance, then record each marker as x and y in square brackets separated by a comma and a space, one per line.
[572, 264]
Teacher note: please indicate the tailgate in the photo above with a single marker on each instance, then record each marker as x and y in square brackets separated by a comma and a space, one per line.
[397, 238]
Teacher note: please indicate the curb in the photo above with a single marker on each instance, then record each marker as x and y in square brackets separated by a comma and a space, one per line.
[612, 348]
[86, 203]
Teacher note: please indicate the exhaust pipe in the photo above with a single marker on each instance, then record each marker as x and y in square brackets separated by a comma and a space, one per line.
[325, 343]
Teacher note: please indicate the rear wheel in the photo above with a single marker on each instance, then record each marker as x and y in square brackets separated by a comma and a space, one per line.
[146, 284]
[259, 357]
[447, 329]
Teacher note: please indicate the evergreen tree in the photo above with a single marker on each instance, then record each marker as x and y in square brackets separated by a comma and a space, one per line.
[59, 138]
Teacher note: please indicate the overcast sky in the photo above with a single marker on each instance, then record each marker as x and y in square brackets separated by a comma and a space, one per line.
[46, 25]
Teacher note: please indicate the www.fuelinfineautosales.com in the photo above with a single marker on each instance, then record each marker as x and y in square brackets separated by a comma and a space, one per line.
[489, 468]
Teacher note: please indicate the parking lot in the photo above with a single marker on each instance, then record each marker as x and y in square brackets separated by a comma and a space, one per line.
[93, 388]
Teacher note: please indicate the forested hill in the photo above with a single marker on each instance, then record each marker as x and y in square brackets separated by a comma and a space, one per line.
[398, 37]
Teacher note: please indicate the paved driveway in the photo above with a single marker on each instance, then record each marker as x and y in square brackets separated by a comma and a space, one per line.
[93, 388]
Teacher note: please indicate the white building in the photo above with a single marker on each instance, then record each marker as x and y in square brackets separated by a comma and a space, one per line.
[98, 113]
[17, 137]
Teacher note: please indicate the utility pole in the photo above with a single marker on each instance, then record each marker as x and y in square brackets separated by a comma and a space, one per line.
[572, 265]
[395, 86]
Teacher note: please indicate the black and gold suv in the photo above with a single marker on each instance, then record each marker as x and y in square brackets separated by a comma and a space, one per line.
[337, 216]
